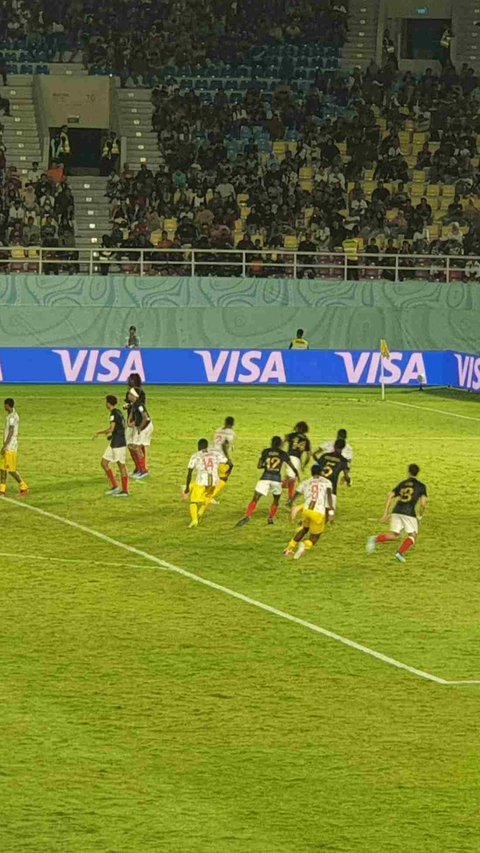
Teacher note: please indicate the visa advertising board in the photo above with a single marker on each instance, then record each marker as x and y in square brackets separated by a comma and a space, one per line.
[238, 367]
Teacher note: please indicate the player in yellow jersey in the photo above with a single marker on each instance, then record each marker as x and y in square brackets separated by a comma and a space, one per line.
[223, 440]
[317, 495]
[9, 449]
[203, 467]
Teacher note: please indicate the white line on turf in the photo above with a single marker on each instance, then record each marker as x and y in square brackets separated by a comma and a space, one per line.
[32, 558]
[282, 614]
[430, 409]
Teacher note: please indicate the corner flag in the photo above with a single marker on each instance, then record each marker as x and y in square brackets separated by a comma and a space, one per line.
[384, 349]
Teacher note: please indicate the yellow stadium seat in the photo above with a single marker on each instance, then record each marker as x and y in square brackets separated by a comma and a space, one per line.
[238, 225]
[290, 241]
[170, 225]
[419, 175]
[306, 185]
[258, 237]
[419, 137]
[244, 212]
[391, 214]
[418, 190]
[368, 174]
[306, 173]
[279, 149]
[434, 146]
[404, 137]
[448, 191]
[292, 146]
[438, 214]
[242, 199]
[342, 147]
[308, 213]
[237, 237]
[434, 231]
[369, 187]
[433, 190]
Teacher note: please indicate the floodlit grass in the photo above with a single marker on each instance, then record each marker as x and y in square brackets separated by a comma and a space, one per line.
[142, 711]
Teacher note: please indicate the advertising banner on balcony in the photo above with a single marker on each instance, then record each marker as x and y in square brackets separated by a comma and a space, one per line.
[239, 367]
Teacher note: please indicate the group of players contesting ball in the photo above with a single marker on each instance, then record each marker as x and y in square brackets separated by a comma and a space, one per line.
[282, 465]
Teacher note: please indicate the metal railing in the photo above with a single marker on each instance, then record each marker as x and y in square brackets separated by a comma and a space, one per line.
[257, 263]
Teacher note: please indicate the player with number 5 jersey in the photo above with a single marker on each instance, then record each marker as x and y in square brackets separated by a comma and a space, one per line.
[271, 462]
[317, 497]
[403, 518]
[332, 465]
[203, 468]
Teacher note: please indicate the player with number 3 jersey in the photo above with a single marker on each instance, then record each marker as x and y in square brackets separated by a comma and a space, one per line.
[403, 518]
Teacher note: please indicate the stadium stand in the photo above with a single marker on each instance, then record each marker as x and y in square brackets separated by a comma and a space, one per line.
[250, 134]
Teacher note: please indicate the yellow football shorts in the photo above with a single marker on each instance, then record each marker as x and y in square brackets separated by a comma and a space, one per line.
[199, 494]
[8, 462]
[315, 521]
[224, 471]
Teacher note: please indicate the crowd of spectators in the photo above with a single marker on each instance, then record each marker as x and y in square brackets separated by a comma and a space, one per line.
[36, 209]
[228, 178]
[140, 37]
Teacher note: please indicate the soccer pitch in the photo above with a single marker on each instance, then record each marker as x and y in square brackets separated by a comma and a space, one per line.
[143, 710]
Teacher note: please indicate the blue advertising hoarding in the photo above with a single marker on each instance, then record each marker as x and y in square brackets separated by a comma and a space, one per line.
[238, 367]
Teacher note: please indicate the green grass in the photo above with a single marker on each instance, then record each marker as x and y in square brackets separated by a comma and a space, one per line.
[142, 711]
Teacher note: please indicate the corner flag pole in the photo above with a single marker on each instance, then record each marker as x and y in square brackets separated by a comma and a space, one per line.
[384, 354]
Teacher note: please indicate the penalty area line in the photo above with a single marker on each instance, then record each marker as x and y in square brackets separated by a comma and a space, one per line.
[239, 596]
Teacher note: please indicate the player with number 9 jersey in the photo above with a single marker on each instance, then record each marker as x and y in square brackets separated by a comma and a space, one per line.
[317, 496]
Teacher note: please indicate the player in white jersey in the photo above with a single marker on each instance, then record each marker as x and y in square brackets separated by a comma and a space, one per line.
[9, 449]
[204, 468]
[317, 497]
[223, 441]
[347, 452]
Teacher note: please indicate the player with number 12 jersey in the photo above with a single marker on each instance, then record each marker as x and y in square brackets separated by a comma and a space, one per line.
[271, 462]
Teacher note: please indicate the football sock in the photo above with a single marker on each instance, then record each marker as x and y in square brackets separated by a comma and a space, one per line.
[23, 486]
[3, 488]
[292, 544]
[219, 489]
[406, 545]
[194, 512]
[308, 545]
[141, 463]
[251, 509]
[125, 484]
[382, 537]
[112, 478]
[292, 488]
[144, 455]
[273, 511]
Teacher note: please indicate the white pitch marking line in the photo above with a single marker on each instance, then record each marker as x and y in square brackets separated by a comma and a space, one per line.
[38, 558]
[430, 409]
[239, 596]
